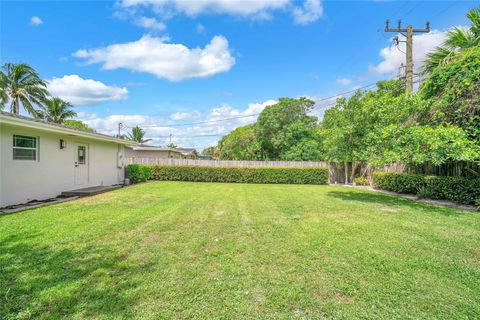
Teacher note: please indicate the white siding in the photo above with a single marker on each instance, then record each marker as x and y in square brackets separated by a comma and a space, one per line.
[22, 180]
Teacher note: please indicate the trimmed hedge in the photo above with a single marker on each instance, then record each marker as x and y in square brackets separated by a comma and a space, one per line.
[138, 172]
[241, 174]
[456, 189]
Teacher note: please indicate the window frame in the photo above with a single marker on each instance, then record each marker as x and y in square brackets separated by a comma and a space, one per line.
[36, 148]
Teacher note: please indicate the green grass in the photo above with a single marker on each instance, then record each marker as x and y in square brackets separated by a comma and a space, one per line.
[208, 250]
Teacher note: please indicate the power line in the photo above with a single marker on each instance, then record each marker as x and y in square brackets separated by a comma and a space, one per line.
[250, 115]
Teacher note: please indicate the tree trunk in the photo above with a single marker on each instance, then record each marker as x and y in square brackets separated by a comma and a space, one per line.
[354, 167]
[16, 107]
[346, 172]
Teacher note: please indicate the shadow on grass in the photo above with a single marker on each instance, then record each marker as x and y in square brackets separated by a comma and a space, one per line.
[391, 200]
[62, 282]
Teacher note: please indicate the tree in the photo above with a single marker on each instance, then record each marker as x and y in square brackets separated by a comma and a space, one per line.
[78, 125]
[22, 85]
[56, 110]
[279, 124]
[210, 151]
[458, 40]
[238, 144]
[172, 145]
[137, 135]
[386, 126]
[454, 90]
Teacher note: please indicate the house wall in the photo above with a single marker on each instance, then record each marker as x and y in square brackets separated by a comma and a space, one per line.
[53, 172]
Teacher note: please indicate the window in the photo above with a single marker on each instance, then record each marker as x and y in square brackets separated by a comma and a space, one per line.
[25, 147]
[81, 154]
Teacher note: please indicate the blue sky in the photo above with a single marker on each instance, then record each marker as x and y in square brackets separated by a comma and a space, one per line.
[174, 62]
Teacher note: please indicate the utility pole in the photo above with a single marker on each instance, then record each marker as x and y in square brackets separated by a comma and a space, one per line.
[409, 35]
[171, 138]
[119, 129]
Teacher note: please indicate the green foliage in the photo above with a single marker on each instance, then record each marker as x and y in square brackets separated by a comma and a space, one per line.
[239, 144]
[398, 182]
[22, 85]
[241, 174]
[418, 144]
[137, 135]
[360, 181]
[170, 145]
[456, 189]
[56, 110]
[78, 125]
[458, 40]
[210, 151]
[477, 204]
[138, 172]
[454, 90]
[285, 131]
[386, 126]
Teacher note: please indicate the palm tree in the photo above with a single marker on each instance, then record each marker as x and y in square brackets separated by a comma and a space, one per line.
[22, 85]
[458, 39]
[137, 135]
[56, 110]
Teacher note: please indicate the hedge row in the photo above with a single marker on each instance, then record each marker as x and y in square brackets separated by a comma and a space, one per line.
[138, 172]
[456, 189]
[314, 175]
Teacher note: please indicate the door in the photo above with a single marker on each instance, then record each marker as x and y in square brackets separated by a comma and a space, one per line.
[81, 164]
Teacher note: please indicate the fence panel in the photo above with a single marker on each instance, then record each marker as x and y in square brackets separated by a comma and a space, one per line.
[224, 163]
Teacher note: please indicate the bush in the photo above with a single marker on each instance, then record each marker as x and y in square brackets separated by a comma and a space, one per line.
[456, 189]
[360, 181]
[138, 172]
[241, 174]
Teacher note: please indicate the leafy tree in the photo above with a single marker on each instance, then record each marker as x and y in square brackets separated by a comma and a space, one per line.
[454, 90]
[56, 110]
[22, 85]
[458, 40]
[210, 151]
[240, 144]
[279, 125]
[171, 145]
[78, 125]
[137, 135]
[386, 126]
[417, 144]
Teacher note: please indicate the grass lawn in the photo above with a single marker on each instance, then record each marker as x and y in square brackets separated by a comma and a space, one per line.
[208, 250]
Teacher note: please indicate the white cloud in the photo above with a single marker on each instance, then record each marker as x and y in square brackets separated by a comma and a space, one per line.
[311, 11]
[422, 44]
[344, 81]
[80, 91]
[185, 115]
[36, 21]
[150, 23]
[171, 61]
[183, 136]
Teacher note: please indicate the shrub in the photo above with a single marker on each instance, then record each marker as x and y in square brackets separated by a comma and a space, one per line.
[360, 181]
[477, 204]
[138, 172]
[456, 189]
[241, 174]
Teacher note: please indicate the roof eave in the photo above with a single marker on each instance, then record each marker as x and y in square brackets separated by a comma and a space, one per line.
[47, 127]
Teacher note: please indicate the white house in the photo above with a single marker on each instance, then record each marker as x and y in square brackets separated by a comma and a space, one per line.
[40, 160]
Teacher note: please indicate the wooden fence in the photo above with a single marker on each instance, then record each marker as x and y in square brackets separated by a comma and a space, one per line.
[224, 163]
